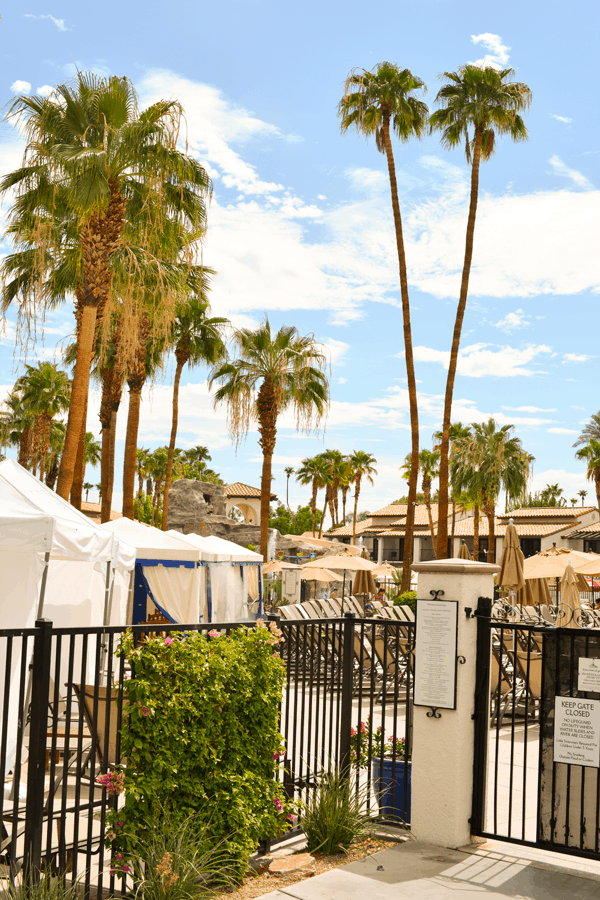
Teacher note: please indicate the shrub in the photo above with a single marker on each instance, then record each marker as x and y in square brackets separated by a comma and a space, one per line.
[200, 736]
[335, 816]
[366, 740]
[408, 598]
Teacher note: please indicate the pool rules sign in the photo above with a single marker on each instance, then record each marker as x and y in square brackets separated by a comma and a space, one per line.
[577, 731]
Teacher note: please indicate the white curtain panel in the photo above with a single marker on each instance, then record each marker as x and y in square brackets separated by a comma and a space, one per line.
[176, 590]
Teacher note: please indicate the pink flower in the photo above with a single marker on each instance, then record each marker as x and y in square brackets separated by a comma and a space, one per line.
[290, 817]
[276, 655]
[214, 633]
[121, 824]
[168, 641]
[145, 711]
[118, 856]
[126, 869]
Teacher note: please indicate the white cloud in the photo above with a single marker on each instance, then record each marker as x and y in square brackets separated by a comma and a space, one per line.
[336, 350]
[570, 482]
[576, 357]
[562, 431]
[498, 55]
[531, 409]
[321, 197]
[514, 320]
[578, 178]
[45, 90]
[476, 361]
[20, 87]
[561, 118]
[342, 380]
[60, 23]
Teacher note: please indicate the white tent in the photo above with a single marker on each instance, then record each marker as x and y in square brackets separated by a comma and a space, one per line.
[54, 562]
[166, 572]
[231, 587]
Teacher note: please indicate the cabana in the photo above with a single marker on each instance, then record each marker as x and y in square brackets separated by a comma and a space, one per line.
[232, 584]
[166, 573]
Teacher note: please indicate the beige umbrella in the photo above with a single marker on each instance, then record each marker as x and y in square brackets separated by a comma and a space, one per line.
[364, 583]
[540, 592]
[570, 601]
[384, 570]
[316, 574]
[552, 563]
[511, 561]
[276, 566]
[339, 562]
[463, 551]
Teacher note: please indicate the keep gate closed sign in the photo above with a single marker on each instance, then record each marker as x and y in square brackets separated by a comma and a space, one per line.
[577, 731]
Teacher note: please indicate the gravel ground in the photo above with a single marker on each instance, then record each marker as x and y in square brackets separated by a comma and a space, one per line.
[257, 885]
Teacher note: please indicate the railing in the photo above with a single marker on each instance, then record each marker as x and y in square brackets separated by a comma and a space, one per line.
[62, 701]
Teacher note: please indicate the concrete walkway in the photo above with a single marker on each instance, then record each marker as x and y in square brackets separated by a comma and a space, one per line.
[414, 871]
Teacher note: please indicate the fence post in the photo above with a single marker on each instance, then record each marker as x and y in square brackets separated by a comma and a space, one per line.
[34, 806]
[482, 711]
[346, 700]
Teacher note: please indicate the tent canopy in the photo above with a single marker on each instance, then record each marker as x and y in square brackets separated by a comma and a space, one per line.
[151, 543]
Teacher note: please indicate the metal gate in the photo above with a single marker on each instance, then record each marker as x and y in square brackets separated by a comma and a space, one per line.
[526, 662]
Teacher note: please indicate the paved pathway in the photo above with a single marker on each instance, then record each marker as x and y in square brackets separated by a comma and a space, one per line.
[414, 871]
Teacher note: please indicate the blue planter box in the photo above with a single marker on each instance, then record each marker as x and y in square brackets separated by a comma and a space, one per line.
[384, 780]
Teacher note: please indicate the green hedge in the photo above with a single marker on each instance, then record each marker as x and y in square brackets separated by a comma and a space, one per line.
[201, 737]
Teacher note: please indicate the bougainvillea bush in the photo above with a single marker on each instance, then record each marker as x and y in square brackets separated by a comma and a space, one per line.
[200, 737]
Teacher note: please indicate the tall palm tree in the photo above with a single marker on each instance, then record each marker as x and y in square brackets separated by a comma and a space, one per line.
[428, 467]
[476, 104]
[90, 150]
[272, 373]
[583, 495]
[485, 462]
[87, 486]
[289, 471]
[591, 430]
[379, 102]
[45, 391]
[196, 339]
[457, 430]
[313, 471]
[363, 466]
[590, 454]
[345, 479]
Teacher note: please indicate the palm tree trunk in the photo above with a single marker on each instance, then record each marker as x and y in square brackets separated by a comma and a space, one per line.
[267, 410]
[133, 421]
[78, 404]
[324, 511]
[25, 441]
[181, 361]
[491, 517]
[315, 489]
[356, 496]
[453, 523]
[107, 490]
[344, 495]
[460, 314]
[79, 473]
[597, 486]
[427, 497]
[46, 424]
[476, 531]
[410, 368]
[35, 446]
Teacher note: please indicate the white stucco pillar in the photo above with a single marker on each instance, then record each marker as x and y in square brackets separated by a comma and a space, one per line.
[442, 749]
[379, 551]
[417, 550]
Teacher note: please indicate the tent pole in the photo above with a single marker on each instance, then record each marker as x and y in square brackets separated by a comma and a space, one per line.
[130, 596]
[109, 585]
[40, 608]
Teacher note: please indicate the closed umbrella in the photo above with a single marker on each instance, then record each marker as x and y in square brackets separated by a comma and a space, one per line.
[570, 601]
[511, 562]
[364, 583]
[463, 552]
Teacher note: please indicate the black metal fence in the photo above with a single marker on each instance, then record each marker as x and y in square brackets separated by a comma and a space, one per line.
[62, 699]
[522, 792]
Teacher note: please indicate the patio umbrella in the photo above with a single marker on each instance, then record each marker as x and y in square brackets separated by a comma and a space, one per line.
[537, 591]
[339, 562]
[570, 601]
[316, 574]
[463, 552]
[276, 566]
[511, 562]
[364, 583]
[384, 570]
[552, 563]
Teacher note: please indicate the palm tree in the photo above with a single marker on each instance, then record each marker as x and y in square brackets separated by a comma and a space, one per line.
[196, 339]
[375, 103]
[476, 104]
[591, 456]
[428, 467]
[457, 430]
[289, 471]
[487, 460]
[272, 373]
[363, 466]
[57, 442]
[87, 486]
[142, 461]
[45, 392]
[591, 430]
[313, 471]
[583, 495]
[90, 152]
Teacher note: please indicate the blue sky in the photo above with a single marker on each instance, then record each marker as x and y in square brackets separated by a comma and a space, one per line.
[300, 224]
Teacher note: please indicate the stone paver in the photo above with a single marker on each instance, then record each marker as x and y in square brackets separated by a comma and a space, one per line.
[414, 871]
